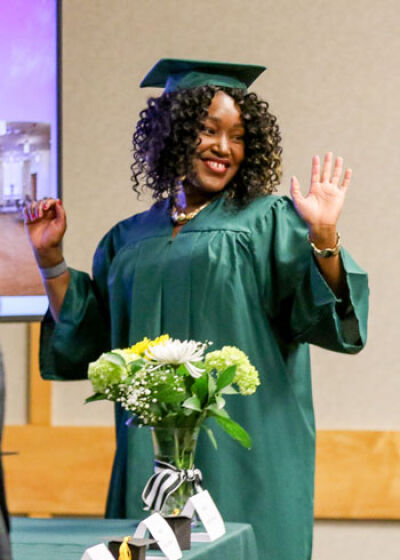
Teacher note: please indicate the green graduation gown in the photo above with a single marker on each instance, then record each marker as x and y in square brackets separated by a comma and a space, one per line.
[245, 278]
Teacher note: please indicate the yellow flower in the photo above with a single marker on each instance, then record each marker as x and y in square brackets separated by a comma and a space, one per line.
[141, 347]
[159, 340]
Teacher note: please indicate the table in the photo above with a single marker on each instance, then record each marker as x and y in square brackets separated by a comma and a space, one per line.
[67, 539]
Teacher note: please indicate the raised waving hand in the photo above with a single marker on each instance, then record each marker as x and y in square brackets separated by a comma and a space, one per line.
[322, 205]
[320, 208]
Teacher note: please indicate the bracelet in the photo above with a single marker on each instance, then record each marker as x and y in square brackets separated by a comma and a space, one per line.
[326, 253]
[54, 271]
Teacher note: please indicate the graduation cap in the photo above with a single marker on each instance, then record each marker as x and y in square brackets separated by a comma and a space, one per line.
[178, 73]
[137, 547]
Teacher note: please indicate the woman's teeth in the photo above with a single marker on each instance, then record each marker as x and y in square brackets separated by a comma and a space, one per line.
[215, 165]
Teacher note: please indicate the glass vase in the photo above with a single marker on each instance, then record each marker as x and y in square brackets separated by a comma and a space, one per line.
[176, 446]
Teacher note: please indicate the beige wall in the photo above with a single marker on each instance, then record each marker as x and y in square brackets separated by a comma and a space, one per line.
[333, 82]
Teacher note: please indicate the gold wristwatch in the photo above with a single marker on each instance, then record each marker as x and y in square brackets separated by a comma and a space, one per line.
[326, 253]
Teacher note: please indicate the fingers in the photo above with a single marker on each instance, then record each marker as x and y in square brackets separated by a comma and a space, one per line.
[295, 191]
[325, 176]
[337, 172]
[40, 208]
[43, 205]
[315, 170]
[326, 169]
[60, 212]
[26, 215]
[30, 211]
[347, 179]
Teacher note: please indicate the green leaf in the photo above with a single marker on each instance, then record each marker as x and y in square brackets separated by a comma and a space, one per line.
[182, 370]
[210, 434]
[226, 377]
[212, 386]
[115, 358]
[200, 388]
[127, 381]
[155, 409]
[220, 402]
[96, 397]
[235, 431]
[167, 395]
[135, 366]
[192, 403]
[188, 381]
[229, 390]
[213, 410]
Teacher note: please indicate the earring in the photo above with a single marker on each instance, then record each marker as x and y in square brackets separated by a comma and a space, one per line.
[180, 199]
[179, 183]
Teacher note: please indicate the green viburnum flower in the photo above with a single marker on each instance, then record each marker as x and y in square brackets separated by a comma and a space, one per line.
[104, 373]
[246, 377]
[127, 354]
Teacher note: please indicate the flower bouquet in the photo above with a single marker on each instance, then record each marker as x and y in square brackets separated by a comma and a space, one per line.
[174, 386]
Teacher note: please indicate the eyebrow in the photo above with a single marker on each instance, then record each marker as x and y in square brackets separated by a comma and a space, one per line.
[216, 119]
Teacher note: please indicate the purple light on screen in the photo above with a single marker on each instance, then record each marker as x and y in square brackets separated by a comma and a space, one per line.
[28, 60]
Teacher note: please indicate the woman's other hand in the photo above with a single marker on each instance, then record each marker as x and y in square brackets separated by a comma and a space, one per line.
[321, 207]
[45, 224]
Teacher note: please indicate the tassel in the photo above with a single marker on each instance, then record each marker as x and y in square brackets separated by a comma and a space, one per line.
[124, 550]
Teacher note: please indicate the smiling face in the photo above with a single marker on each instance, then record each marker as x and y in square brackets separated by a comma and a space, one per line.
[221, 149]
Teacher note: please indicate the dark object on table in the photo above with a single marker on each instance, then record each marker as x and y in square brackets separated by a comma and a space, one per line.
[5, 548]
[181, 527]
[136, 546]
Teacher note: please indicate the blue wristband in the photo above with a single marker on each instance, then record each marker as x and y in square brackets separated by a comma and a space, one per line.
[54, 271]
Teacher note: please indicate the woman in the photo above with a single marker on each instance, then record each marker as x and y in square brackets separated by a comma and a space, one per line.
[217, 257]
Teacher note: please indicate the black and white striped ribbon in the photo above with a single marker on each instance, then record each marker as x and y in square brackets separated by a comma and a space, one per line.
[165, 480]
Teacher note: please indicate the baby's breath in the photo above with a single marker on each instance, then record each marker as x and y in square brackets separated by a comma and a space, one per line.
[140, 396]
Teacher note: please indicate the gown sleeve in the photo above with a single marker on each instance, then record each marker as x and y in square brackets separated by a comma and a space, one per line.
[83, 330]
[297, 299]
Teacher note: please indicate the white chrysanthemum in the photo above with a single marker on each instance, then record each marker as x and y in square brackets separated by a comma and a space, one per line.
[176, 352]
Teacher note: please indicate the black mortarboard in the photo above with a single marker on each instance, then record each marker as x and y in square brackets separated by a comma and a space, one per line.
[177, 73]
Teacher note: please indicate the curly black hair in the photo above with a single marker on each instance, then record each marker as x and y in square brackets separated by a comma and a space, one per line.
[167, 133]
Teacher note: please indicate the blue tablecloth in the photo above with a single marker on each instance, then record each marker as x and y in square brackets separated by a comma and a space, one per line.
[67, 539]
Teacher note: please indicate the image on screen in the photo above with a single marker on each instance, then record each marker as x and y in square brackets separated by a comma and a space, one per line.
[29, 143]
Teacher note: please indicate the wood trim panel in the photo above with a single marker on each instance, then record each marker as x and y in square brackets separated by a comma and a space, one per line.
[358, 475]
[66, 470]
[58, 470]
